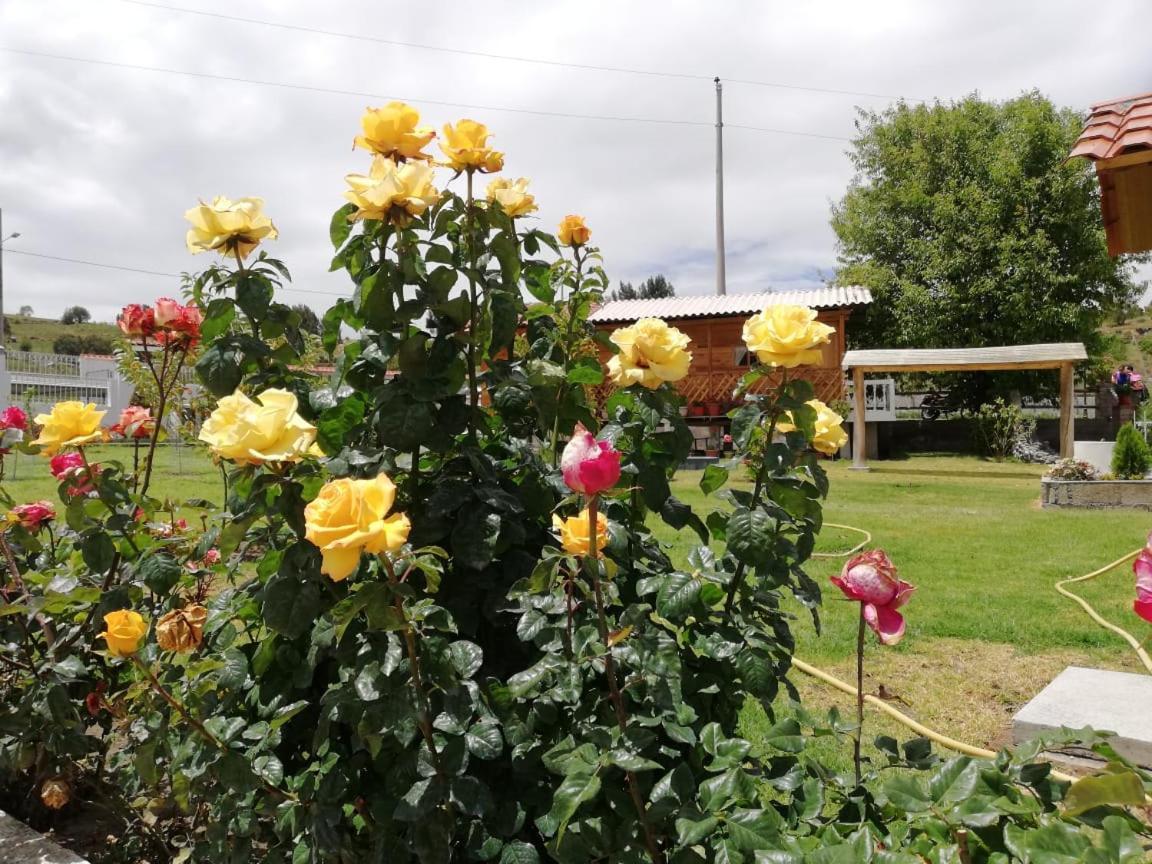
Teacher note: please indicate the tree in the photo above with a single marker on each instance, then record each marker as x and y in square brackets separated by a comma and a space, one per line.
[652, 288]
[75, 315]
[309, 320]
[26, 312]
[69, 344]
[970, 229]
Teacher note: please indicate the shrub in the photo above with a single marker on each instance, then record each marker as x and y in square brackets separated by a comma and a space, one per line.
[998, 426]
[475, 687]
[69, 344]
[1130, 457]
[76, 315]
[1071, 469]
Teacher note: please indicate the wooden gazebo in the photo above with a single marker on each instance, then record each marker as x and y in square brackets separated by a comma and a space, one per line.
[1061, 355]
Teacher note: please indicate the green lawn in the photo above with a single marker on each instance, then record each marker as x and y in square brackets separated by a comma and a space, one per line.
[986, 631]
[182, 472]
[38, 334]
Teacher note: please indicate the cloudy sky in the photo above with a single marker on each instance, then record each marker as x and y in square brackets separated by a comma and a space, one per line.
[98, 162]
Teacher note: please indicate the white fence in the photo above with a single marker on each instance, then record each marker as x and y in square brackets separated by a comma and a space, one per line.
[38, 381]
[879, 398]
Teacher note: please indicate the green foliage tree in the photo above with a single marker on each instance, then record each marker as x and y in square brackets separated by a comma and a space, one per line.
[309, 320]
[1131, 457]
[652, 288]
[76, 315]
[971, 229]
[69, 344]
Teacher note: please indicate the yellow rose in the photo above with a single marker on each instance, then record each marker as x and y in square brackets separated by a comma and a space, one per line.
[574, 532]
[267, 430]
[573, 231]
[352, 516]
[390, 191]
[123, 631]
[182, 629]
[829, 433]
[512, 197]
[229, 227]
[651, 353]
[466, 146]
[786, 336]
[391, 131]
[68, 424]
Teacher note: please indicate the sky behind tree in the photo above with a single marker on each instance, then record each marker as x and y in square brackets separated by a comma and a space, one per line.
[99, 161]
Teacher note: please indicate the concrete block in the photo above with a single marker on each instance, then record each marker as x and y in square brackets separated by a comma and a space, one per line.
[1119, 702]
[19, 844]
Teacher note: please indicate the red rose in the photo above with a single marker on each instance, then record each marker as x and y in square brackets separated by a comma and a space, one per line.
[136, 320]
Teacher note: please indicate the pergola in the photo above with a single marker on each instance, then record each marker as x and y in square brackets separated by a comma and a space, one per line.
[1061, 355]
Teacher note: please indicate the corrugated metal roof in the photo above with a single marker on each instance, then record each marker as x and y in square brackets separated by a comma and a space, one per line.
[927, 358]
[713, 306]
[1115, 128]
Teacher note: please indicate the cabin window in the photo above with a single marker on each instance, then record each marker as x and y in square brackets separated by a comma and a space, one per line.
[742, 358]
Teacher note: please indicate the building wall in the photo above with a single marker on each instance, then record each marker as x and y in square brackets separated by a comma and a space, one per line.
[716, 347]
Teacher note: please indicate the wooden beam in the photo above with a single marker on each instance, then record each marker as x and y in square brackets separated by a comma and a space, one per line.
[1067, 411]
[963, 367]
[859, 434]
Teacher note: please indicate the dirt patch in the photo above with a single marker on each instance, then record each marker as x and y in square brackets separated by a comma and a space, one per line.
[966, 689]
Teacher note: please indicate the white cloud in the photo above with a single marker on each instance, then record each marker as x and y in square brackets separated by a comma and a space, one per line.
[99, 163]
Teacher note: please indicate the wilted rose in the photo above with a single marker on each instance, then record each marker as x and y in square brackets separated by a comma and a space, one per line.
[182, 629]
[870, 578]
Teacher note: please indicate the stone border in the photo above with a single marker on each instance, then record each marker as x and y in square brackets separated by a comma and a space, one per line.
[1097, 494]
[19, 844]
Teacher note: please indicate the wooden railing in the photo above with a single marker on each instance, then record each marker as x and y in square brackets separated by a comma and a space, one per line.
[718, 386]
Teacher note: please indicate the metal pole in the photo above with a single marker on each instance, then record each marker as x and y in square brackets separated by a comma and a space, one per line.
[3, 341]
[721, 279]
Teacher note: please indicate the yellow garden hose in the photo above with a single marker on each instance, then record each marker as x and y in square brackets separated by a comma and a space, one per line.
[1097, 617]
[867, 539]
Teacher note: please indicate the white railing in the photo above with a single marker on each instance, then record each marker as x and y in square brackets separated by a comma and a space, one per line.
[879, 399]
[38, 381]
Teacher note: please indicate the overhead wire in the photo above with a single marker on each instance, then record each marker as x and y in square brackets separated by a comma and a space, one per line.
[10, 251]
[489, 55]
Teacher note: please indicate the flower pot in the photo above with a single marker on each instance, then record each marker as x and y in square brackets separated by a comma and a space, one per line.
[695, 410]
[714, 409]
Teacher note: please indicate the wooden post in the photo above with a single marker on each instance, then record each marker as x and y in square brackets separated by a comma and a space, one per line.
[1067, 410]
[859, 434]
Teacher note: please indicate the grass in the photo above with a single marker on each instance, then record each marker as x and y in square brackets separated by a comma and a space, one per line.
[39, 333]
[986, 632]
[182, 472]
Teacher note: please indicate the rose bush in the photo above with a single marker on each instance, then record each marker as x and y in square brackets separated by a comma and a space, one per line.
[380, 648]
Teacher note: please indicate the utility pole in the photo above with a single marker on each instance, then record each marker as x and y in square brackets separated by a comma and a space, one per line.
[721, 279]
[3, 343]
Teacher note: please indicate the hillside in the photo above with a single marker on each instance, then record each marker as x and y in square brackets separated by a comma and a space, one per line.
[38, 334]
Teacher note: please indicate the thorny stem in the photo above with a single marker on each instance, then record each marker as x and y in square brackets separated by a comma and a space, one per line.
[197, 725]
[164, 387]
[18, 582]
[617, 698]
[860, 633]
[473, 387]
[414, 663]
[562, 391]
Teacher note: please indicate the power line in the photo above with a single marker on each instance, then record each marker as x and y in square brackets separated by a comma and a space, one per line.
[358, 93]
[8, 251]
[626, 70]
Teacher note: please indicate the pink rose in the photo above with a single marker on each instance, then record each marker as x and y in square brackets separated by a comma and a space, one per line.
[32, 516]
[1142, 567]
[62, 463]
[13, 417]
[212, 556]
[70, 467]
[589, 466]
[870, 578]
[136, 320]
[136, 422]
[167, 311]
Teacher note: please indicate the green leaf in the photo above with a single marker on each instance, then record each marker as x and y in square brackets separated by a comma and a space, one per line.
[785, 735]
[519, 852]
[474, 537]
[1121, 788]
[98, 551]
[219, 369]
[253, 295]
[483, 740]
[341, 225]
[754, 829]
[586, 371]
[1055, 843]
[693, 828]
[291, 604]
[713, 478]
[751, 536]
[907, 793]
[466, 657]
[677, 596]
[954, 781]
[160, 572]
[577, 787]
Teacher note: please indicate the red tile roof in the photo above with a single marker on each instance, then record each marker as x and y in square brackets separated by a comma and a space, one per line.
[713, 306]
[1115, 128]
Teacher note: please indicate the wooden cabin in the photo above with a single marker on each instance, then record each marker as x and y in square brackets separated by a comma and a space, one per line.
[719, 356]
